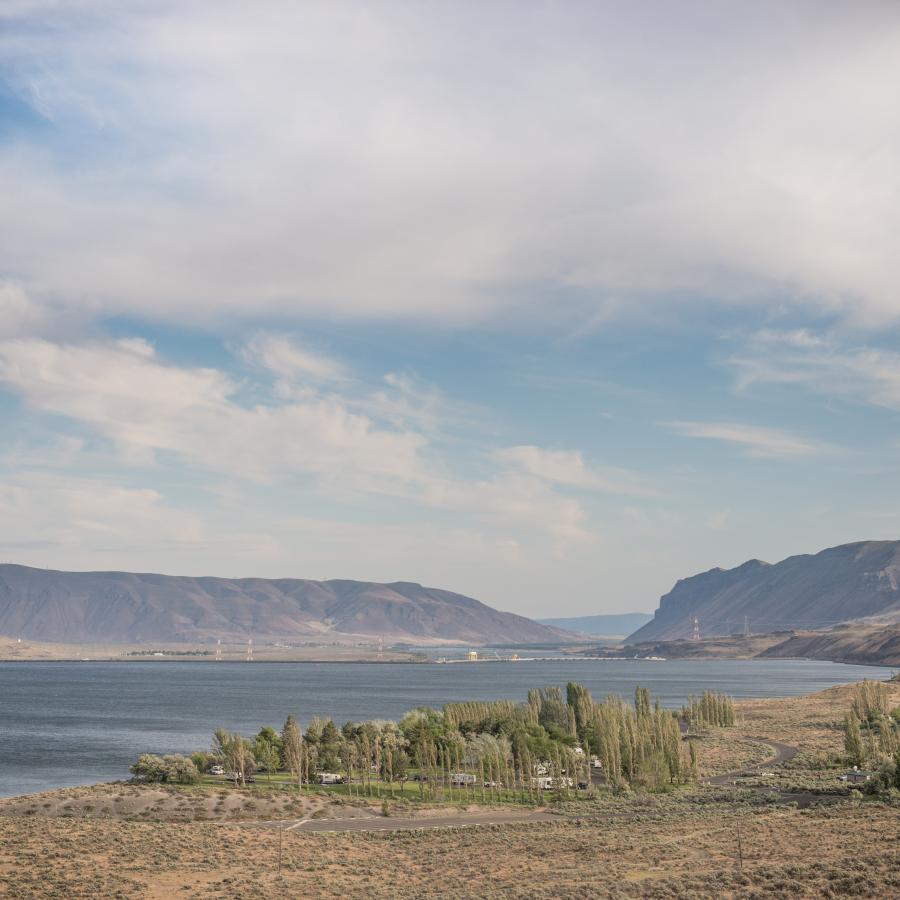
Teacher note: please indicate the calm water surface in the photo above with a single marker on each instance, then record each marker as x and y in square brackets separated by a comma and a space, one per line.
[68, 723]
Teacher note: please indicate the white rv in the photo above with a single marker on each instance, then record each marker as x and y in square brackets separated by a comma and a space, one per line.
[461, 779]
[546, 783]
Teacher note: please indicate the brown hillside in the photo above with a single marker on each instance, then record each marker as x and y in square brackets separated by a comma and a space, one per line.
[120, 607]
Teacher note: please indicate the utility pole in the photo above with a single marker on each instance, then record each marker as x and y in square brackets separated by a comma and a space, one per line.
[696, 635]
[746, 627]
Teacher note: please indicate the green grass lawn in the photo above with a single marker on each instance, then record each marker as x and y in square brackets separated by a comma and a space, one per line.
[377, 789]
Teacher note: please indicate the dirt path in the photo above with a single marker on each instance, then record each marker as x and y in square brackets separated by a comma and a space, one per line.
[396, 823]
[782, 753]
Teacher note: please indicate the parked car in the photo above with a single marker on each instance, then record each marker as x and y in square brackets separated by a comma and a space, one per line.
[216, 770]
[493, 784]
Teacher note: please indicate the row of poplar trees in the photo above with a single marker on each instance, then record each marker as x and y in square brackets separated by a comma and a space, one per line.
[501, 746]
[871, 732]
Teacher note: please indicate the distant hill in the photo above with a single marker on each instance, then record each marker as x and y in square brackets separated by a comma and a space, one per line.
[853, 581]
[605, 626]
[120, 607]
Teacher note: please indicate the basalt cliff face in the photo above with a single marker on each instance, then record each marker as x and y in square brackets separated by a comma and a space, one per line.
[845, 583]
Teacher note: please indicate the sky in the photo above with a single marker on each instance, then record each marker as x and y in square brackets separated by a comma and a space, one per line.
[550, 304]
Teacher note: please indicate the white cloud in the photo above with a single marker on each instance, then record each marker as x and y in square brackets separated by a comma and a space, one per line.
[71, 521]
[567, 467]
[120, 390]
[823, 365]
[18, 313]
[415, 161]
[291, 361]
[757, 441]
[124, 392]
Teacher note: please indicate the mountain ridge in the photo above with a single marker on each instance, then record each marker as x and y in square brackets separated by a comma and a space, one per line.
[844, 583]
[127, 607]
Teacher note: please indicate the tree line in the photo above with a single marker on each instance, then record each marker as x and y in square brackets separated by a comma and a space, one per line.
[555, 741]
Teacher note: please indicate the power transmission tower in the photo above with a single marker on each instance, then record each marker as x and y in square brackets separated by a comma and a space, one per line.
[696, 635]
[219, 650]
[380, 648]
[746, 627]
[250, 650]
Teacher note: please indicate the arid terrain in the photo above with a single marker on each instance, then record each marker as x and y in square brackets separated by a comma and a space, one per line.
[865, 644]
[788, 829]
[127, 608]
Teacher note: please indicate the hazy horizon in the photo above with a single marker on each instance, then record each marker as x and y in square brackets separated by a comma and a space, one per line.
[546, 305]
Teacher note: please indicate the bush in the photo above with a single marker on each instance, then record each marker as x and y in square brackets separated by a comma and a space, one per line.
[171, 769]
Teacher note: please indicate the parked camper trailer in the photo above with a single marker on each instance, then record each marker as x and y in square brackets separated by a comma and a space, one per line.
[547, 783]
[329, 778]
[461, 779]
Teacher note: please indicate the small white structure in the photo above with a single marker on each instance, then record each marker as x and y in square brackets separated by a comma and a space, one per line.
[595, 762]
[472, 656]
[546, 783]
[856, 776]
[461, 779]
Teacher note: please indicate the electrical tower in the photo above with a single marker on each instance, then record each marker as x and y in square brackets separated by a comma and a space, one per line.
[250, 650]
[381, 648]
[746, 627]
[219, 650]
[696, 635]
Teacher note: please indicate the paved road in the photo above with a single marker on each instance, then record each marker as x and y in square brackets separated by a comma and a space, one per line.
[396, 823]
[782, 753]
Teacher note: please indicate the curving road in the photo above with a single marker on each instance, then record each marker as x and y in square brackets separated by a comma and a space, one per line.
[782, 753]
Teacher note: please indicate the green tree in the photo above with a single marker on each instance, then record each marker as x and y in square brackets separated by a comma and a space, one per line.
[267, 752]
[236, 752]
[172, 769]
[853, 740]
[292, 748]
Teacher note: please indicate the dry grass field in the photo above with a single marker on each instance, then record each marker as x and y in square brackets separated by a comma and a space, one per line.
[164, 803]
[660, 849]
[131, 841]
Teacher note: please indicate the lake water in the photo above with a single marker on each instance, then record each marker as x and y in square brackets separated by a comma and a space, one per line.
[69, 723]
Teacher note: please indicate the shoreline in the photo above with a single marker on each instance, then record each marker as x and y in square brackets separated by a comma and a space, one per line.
[436, 662]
